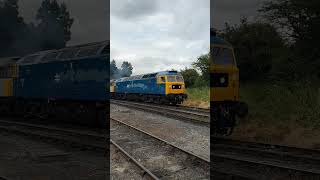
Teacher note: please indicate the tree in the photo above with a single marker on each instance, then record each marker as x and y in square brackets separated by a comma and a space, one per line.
[300, 21]
[257, 47]
[52, 30]
[114, 71]
[54, 24]
[190, 76]
[12, 27]
[203, 64]
[126, 69]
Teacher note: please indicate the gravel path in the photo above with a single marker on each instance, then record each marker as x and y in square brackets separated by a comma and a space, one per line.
[191, 137]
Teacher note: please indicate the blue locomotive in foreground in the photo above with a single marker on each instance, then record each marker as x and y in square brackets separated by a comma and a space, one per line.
[165, 87]
[66, 84]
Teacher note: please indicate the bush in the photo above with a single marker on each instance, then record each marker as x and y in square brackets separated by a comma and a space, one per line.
[199, 93]
[283, 102]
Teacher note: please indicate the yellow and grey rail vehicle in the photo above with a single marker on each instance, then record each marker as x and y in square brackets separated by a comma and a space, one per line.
[225, 104]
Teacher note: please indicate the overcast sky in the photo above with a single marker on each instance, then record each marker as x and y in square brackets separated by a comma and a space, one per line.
[157, 35]
[232, 10]
[152, 34]
[91, 18]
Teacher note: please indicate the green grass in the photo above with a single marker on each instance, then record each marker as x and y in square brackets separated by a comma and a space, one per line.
[282, 103]
[199, 93]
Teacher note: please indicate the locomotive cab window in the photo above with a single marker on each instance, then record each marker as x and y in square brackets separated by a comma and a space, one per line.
[171, 78]
[180, 78]
[161, 79]
[175, 78]
[222, 56]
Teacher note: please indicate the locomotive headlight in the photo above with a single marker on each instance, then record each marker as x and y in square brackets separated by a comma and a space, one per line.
[222, 80]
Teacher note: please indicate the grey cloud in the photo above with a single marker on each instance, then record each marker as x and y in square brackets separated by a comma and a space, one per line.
[231, 11]
[154, 64]
[131, 9]
[192, 25]
[186, 15]
[91, 18]
[172, 35]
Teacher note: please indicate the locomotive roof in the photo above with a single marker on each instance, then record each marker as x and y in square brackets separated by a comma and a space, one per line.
[218, 41]
[145, 76]
[67, 53]
[214, 39]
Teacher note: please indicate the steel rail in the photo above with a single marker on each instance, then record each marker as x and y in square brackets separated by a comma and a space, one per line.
[147, 172]
[196, 118]
[203, 159]
[282, 160]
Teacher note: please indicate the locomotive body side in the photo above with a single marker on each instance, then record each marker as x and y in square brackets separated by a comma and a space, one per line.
[66, 85]
[74, 80]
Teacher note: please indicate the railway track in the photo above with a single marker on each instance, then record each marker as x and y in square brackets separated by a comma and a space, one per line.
[84, 138]
[161, 158]
[81, 138]
[263, 161]
[194, 115]
[146, 174]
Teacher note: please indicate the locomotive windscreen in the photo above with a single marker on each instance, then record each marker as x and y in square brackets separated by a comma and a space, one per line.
[174, 78]
[222, 56]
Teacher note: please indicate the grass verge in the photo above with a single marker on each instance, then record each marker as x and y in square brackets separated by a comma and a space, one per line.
[283, 113]
[198, 97]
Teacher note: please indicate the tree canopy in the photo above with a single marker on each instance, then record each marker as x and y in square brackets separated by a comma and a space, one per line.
[203, 65]
[256, 47]
[124, 71]
[54, 24]
[51, 31]
[190, 77]
[299, 22]
[12, 27]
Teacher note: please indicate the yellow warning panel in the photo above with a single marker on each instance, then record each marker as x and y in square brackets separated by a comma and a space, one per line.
[6, 87]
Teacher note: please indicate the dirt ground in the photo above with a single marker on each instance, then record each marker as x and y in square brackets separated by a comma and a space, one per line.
[22, 158]
[288, 135]
[197, 104]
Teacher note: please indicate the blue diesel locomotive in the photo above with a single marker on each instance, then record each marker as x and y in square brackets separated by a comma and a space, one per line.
[66, 84]
[166, 87]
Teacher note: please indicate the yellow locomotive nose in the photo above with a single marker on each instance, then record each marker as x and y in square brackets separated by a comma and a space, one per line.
[224, 83]
[175, 88]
